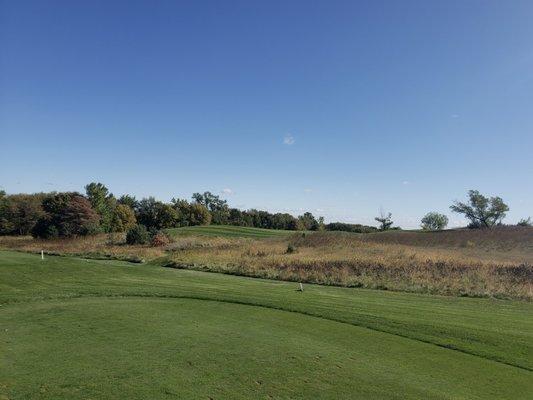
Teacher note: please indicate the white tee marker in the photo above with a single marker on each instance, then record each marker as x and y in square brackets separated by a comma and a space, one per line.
[42, 254]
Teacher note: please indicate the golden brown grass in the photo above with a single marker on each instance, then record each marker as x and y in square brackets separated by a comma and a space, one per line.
[98, 246]
[497, 263]
[375, 261]
[111, 246]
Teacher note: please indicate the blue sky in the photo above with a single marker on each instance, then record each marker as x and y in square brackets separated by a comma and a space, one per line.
[339, 108]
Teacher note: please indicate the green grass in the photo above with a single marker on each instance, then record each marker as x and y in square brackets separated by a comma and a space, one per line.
[229, 231]
[77, 329]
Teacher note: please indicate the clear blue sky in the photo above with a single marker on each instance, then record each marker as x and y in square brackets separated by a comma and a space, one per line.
[333, 107]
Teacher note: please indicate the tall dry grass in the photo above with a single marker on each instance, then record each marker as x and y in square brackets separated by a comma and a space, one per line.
[107, 246]
[359, 261]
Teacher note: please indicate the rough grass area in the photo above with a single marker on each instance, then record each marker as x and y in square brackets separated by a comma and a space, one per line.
[229, 231]
[77, 329]
[480, 269]
[477, 263]
[506, 243]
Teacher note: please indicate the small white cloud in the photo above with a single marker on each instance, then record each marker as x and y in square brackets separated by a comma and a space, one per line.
[289, 140]
[307, 190]
[406, 183]
[227, 191]
[319, 210]
[455, 115]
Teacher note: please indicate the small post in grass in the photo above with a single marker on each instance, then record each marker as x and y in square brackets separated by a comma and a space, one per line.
[42, 254]
[301, 287]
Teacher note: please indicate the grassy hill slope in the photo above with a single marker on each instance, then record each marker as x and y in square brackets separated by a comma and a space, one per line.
[229, 231]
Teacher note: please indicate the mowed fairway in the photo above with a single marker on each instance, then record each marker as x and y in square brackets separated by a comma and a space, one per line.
[78, 329]
[229, 231]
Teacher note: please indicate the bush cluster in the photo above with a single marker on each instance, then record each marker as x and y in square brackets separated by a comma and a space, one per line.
[138, 234]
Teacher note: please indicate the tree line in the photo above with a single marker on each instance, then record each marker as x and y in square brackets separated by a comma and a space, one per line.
[64, 214]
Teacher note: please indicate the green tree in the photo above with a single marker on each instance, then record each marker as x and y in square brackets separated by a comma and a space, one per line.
[167, 216]
[385, 221]
[209, 200]
[66, 214]
[102, 202]
[238, 217]
[123, 218]
[357, 228]
[309, 221]
[20, 212]
[483, 212]
[218, 207]
[147, 212]
[199, 215]
[128, 200]
[261, 219]
[156, 215]
[191, 214]
[433, 221]
[182, 208]
[525, 222]
[6, 222]
[284, 221]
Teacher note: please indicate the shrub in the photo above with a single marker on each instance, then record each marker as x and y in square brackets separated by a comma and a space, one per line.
[290, 249]
[160, 239]
[138, 235]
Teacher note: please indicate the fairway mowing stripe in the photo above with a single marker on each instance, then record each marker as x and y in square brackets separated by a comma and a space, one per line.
[168, 296]
[232, 231]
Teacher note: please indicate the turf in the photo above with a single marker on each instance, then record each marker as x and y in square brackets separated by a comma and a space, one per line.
[73, 329]
[229, 231]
